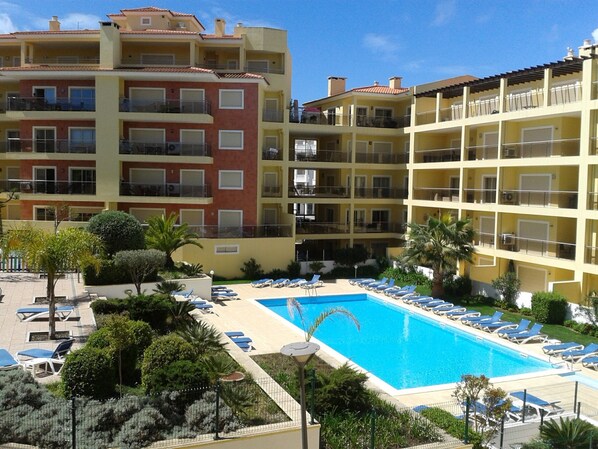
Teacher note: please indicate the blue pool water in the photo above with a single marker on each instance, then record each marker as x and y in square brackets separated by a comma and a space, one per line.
[405, 350]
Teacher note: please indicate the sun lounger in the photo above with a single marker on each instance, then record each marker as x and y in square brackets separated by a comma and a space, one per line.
[185, 294]
[51, 360]
[479, 411]
[497, 326]
[438, 306]
[383, 287]
[370, 285]
[262, 283]
[296, 282]
[505, 331]
[539, 406]
[429, 304]
[314, 283]
[7, 361]
[369, 281]
[26, 314]
[575, 355]
[358, 280]
[234, 334]
[558, 348]
[470, 321]
[590, 362]
[529, 335]
[239, 339]
[446, 310]
[202, 306]
[278, 283]
[402, 292]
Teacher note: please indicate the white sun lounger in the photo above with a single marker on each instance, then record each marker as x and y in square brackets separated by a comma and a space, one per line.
[26, 314]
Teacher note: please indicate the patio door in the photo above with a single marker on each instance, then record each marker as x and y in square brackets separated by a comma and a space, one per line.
[489, 193]
[44, 179]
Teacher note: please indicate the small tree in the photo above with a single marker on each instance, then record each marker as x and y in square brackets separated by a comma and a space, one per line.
[508, 286]
[118, 230]
[120, 336]
[316, 266]
[252, 269]
[140, 264]
[165, 235]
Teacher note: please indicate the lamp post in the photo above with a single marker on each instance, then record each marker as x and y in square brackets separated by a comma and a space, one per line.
[212, 274]
[355, 266]
[302, 352]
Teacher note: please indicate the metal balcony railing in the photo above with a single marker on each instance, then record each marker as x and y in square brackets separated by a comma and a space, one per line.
[304, 190]
[221, 232]
[314, 116]
[451, 154]
[316, 227]
[165, 149]
[540, 198]
[47, 146]
[541, 148]
[485, 196]
[49, 104]
[164, 189]
[380, 192]
[232, 66]
[482, 152]
[537, 247]
[320, 156]
[272, 115]
[382, 158]
[271, 154]
[166, 106]
[383, 122]
[48, 187]
[436, 194]
[272, 191]
[485, 239]
[379, 227]
[64, 60]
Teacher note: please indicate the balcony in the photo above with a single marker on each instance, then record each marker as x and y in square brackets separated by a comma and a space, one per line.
[484, 239]
[64, 60]
[539, 198]
[166, 60]
[380, 192]
[383, 122]
[379, 227]
[305, 190]
[436, 194]
[535, 247]
[519, 101]
[46, 104]
[484, 196]
[166, 106]
[219, 232]
[545, 148]
[271, 191]
[382, 158]
[315, 116]
[47, 146]
[566, 93]
[320, 156]
[591, 255]
[316, 227]
[30, 186]
[478, 108]
[452, 154]
[271, 154]
[482, 152]
[272, 115]
[262, 68]
[165, 149]
[164, 189]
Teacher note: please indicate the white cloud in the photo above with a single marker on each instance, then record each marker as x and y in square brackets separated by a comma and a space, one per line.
[595, 35]
[380, 45]
[208, 14]
[77, 21]
[6, 25]
[445, 10]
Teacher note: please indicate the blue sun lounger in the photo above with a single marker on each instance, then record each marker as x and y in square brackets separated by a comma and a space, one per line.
[538, 405]
[470, 321]
[384, 287]
[557, 348]
[315, 282]
[278, 283]
[52, 359]
[239, 339]
[460, 314]
[574, 355]
[446, 310]
[401, 292]
[358, 280]
[7, 361]
[505, 331]
[370, 285]
[529, 335]
[202, 305]
[496, 326]
[26, 314]
[590, 362]
[261, 283]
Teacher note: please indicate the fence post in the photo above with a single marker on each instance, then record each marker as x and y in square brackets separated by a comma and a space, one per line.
[575, 397]
[217, 423]
[502, 432]
[578, 409]
[466, 432]
[73, 423]
[373, 430]
[312, 399]
[524, 401]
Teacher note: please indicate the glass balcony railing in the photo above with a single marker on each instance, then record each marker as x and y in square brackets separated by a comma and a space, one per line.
[33, 186]
[482, 196]
[165, 106]
[64, 60]
[452, 154]
[271, 191]
[165, 149]
[49, 104]
[541, 148]
[221, 232]
[540, 198]
[314, 116]
[482, 152]
[47, 146]
[436, 194]
[537, 247]
[272, 115]
[305, 190]
[380, 192]
[320, 156]
[382, 158]
[164, 189]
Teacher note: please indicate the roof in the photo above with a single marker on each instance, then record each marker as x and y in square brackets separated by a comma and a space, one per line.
[182, 32]
[224, 36]
[526, 75]
[374, 89]
[58, 33]
[151, 9]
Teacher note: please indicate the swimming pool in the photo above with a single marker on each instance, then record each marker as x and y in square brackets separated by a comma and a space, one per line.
[404, 349]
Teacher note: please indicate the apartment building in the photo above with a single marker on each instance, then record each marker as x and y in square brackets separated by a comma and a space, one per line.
[147, 114]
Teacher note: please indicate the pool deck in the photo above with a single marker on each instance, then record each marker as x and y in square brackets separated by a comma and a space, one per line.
[269, 333]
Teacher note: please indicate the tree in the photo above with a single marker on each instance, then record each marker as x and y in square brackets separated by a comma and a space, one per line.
[120, 336]
[55, 254]
[139, 264]
[118, 230]
[439, 244]
[295, 306]
[568, 433]
[164, 235]
[11, 195]
[508, 286]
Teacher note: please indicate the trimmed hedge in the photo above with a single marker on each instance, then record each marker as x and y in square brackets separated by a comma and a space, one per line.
[152, 309]
[89, 372]
[178, 376]
[549, 307]
[118, 230]
[162, 352]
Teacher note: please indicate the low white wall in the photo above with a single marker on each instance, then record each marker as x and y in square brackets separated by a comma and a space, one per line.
[329, 265]
[201, 287]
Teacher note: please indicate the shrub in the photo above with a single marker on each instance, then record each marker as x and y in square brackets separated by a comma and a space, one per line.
[294, 269]
[343, 390]
[108, 274]
[162, 352]
[118, 230]
[404, 276]
[508, 286]
[457, 287]
[140, 264]
[452, 425]
[89, 372]
[252, 269]
[316, 266]
[350, 256]
[201, 415]
[152, 309]
[179, 375]
[549, 307]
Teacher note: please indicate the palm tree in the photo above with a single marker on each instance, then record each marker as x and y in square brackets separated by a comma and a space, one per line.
[568, 433]
[163, 234]
[294, 306]
[439, 244]
[55, 254]
[205, 338]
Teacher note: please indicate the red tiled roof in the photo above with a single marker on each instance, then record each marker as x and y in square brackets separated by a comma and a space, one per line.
[375, 89]
[225, 36]
[7, 36]
[241, 75]
[53, 68]
[159, 32]
[58, 32]
[151, 9]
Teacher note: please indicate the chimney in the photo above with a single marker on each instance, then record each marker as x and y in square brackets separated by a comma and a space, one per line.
[219, 27]
[376, 83]
[54, 24]
[570, 55]
[395, 82]
[336, 85]
[238, 29]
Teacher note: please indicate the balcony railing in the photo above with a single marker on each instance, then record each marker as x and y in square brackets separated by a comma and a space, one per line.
[485, 239]
[540, 198]
[272, 115]
[530, 99]
[301, 190]
[487, 106]
[482, 152]
[165, 149]
[49, 104]
[233, 66]
[314, 116]
[320, 156]
[593, 200]
[258, 68]
[382, 158]
[313, 227]
[567, 93]
[157, 61]
[48, 187]
[272, 191]
[220, 232]
[164, 189]
[271, 154]
[64, 60]
[541, 148]
[436, 194]
[47, 146]
[591, 255]
[380, 192]
[438, 155]
[379, 227]
[167, 106]
[485, 196]
[537, 247]
[425, 117]
[383, 122]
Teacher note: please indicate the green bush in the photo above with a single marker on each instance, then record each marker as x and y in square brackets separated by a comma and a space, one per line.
[152, 309]
[450, 424]
[406, 277]
[343, 390]
[549, 307]
[457, 287]
[107, 274]
[294, 269]
[142, 265]
[178, 376]
[118, 230]
[252, 270]
[350, 256]
[89, 372]
[162, 352]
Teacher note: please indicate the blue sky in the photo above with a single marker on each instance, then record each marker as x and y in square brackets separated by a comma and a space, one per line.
[367, 41]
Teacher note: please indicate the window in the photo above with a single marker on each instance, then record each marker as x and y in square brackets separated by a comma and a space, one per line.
[230, 140]
[146, 21]
[83, 181]
[82, 140]
[83, 98]
[84, 213]
[231, 98]
[260, 66]
[44, 179]
[142, 214]
[226, 249]
[44, 213]
[44, 140]
[230, 179]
